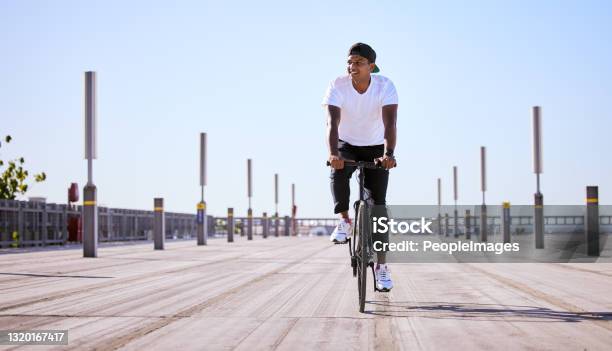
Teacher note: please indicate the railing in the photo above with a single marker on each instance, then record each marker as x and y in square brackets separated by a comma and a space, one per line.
[27, 223]
[123, 224]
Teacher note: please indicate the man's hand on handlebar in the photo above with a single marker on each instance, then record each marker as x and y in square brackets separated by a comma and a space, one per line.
[387, 162]
[336, 162]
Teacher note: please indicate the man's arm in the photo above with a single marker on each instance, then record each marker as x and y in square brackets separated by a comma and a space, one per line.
[389, 115]
[333, 121]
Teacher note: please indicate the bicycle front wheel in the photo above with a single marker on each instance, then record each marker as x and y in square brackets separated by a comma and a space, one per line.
[363, 253]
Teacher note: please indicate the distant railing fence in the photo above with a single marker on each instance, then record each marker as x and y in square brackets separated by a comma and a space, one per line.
[31, 223]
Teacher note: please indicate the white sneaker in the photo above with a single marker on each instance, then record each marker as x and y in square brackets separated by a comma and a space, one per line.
[341, 232]
[383, 278]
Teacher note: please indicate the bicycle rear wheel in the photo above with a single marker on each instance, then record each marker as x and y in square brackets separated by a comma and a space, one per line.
[363, 252]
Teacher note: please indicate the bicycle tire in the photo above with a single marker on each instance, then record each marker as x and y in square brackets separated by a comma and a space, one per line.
[363, 261]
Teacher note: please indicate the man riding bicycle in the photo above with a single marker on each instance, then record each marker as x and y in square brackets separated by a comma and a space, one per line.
[361, 117]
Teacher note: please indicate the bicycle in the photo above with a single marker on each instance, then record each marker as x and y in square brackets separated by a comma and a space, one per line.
[362, 250]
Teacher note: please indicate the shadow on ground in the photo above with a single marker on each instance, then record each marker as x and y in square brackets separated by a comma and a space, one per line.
[446, 310]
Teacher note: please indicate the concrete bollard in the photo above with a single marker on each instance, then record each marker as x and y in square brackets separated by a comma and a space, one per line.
[90, 222]
[483, 223]
[538, 223]
[202, 223]
[446, 224]
[250, 224]
[230, 225]
[467, 225]
[287, 226]
[265, 225]
[276, 225]
[591, 224]
[506, 219]
[159, 224]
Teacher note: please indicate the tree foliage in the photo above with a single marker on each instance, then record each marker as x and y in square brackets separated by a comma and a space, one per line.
[13, 178]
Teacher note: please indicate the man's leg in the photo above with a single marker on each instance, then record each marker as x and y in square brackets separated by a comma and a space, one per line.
[341, 190]
[375, 184]
[340, 183]
[340, 180]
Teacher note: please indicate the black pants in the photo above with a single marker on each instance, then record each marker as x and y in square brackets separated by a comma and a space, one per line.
[375, 181]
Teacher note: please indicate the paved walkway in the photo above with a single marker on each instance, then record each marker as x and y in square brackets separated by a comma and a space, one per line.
[298, 294]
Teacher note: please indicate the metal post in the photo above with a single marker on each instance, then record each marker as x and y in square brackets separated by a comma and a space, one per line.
[456, 220]
[483, 172]
[483, 188]
[293, 211]
[90, 222]
[592, 221]
[276, 225]
[201, 207]
[506, 219]
[538, 169]
[250, 224]
[276, 220]
[439, 206]
[446, 224]
[250, 194]
[483, 223]
[230, 225]
[202, 223]
[467, 225]
[287, 225]
[265, 225]
[90, 207]
[159, 224]
[539, 220]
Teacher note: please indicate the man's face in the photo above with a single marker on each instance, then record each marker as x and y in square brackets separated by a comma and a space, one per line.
[359, 67]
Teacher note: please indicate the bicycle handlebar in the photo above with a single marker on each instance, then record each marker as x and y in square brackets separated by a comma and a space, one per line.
[363, 164]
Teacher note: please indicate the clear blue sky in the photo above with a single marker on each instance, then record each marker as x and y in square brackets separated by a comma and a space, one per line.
[252, 75]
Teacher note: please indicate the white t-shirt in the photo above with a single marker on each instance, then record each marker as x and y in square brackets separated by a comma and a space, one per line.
[361, 121]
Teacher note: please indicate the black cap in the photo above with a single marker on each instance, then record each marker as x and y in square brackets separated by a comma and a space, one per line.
[364, 50]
